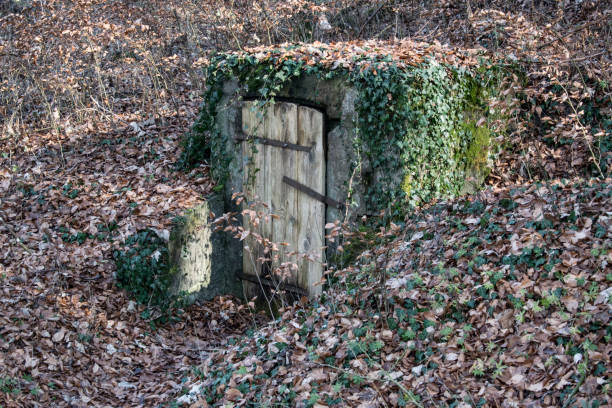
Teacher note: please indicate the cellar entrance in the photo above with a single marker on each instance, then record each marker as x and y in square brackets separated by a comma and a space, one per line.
[284, 183]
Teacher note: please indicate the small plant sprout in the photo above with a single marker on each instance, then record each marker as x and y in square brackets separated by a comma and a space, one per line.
[592, 293]
[582, 367]
[438, 305]
[410, 396]
[478, 368]
[499, 368]
[520, 317]
[491, 346]
[535, 306]
[588, 345]
[550, 300]
[446, 331]
[453, 288]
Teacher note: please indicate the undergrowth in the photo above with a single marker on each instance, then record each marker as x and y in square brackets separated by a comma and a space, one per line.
[144, 271]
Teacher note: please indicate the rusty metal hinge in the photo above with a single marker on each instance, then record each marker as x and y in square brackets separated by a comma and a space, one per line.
[309, 191]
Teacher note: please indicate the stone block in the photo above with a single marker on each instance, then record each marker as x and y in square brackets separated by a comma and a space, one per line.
[203, 262]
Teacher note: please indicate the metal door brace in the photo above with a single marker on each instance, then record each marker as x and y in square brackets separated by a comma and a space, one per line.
[241, 137]
[309, 191]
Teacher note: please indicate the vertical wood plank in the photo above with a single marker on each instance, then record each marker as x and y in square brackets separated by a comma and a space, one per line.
[254, 123]
[283, 127]
[310, 212]
[290, 168]
[273, 168]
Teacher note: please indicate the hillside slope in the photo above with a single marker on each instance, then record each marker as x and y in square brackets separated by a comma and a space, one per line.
[499, 299]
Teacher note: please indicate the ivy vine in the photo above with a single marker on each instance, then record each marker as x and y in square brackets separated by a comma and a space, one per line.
[420, 128]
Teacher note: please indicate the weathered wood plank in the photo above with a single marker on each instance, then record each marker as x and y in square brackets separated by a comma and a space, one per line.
[253, 123]
[300, 221]
[310, 212]
[284, 201]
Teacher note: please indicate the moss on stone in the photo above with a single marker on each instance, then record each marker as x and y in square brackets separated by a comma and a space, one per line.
[203, 261]
[407, 184]
[477, 154]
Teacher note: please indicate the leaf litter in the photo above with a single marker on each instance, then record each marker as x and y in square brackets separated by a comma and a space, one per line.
[501, 313]
[499, 299]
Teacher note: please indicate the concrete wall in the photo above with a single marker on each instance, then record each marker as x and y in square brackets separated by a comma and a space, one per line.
[337, 100]
[202, 260]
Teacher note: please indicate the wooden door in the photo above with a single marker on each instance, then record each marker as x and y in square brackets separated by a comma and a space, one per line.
[285, 172]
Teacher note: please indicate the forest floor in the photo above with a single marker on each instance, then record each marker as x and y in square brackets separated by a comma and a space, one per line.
[94, 99]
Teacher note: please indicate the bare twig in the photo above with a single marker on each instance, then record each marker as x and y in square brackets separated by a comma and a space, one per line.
[363, 26]
[562, 38]
[584, 131]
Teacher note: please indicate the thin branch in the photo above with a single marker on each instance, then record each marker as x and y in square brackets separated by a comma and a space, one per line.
[561, 38]
[363, 26]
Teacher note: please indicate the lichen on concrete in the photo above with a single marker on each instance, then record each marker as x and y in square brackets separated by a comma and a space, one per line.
[203, 261]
